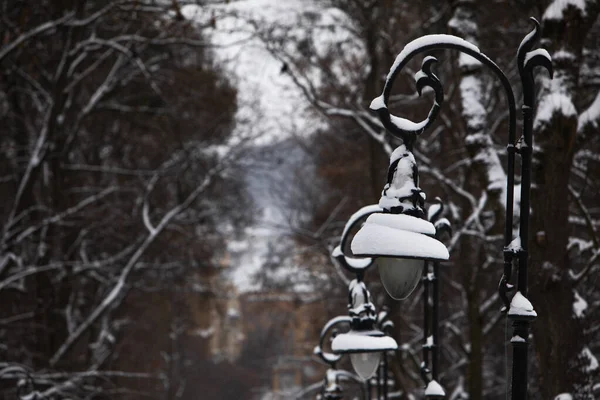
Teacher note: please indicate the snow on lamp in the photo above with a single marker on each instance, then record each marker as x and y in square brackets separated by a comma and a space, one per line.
[364, 342]
[434, 391]
[400, 239]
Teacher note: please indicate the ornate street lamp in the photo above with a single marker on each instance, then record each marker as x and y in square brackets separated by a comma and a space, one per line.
[331, 388]
[365, 342]
[400, 239]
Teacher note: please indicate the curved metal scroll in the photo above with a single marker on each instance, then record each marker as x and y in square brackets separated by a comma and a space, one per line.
[330, 358]
[353, 264]
[408, 130]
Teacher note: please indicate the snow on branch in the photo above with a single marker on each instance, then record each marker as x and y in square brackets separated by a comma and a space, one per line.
[119, 287]
[556, 9]
[589, 120]
[47, 26]
[557, 103]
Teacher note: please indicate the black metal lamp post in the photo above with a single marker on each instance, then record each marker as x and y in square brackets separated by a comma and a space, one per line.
[368, 329]
[331, 389]
[401, 239]
[366, 341]
[431, 338]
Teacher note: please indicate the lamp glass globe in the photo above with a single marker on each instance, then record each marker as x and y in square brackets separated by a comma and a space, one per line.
[400, 276]
[365, 364]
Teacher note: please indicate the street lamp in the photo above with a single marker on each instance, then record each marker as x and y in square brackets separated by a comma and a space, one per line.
[365, 341]
[400, 239]
[331, 388]
[401, 244]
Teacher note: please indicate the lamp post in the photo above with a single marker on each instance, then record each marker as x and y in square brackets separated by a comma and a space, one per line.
[331, 389]
[366, 342]
[408, 237]
[431, 339]
[400, 239]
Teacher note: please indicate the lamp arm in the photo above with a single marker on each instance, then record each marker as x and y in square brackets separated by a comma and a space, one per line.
[330, 358]
[353, 264]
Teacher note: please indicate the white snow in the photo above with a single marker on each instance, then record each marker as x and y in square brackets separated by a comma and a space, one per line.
[471, 98]
[515, 245]
[556, 9]
[593, 361]
[564, 396]
[400, 123]
[563, 55]
[356, 263]
[378, 240]
[377, 103]
[520, 305]
[233, 312]
[402, 184]
[467, 63]
[591, 115]
[429, 342]
[551, 104]
[408, 125]
[356, 341]
[517, 339]
[403, 222]
[434, 389]
[579, 305]
[204, 333]
[580, 244]
[428, 40]
[432, 210]
[363, 212]
[536, 52]
[486, 154]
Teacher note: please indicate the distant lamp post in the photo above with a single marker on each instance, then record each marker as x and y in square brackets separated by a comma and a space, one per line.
[331, 388]
[364, 342]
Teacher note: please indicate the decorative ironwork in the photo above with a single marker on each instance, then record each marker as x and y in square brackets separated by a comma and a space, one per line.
[408, 131]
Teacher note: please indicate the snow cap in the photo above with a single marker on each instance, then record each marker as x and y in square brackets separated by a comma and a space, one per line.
[363, 342]
[434, 390]
[399, 236]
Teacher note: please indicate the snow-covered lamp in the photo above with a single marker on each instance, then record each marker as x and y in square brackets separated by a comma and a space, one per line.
[399, 238]
[364, 342]
[434, 390]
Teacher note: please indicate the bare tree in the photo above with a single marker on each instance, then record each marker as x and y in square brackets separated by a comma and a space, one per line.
[119, 178]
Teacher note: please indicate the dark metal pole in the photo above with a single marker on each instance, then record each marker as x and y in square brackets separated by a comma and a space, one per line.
[385, 376]
[426, 317]
[521, 323]
[378, 377]
[435, 323]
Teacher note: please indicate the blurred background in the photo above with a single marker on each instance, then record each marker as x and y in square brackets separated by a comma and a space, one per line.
[174, 175]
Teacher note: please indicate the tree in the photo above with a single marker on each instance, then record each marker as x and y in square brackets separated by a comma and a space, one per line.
[119, 185]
